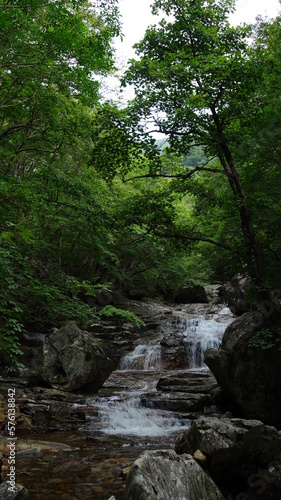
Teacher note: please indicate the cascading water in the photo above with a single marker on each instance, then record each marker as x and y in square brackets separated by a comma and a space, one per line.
[126, 414]
[129, 414]
[130, 417]
[201, 334]
[143, 357]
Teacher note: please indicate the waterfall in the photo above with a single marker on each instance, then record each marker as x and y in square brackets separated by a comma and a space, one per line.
[201, 334]
[130, 418]
[197, 333]
[143, 357]
[129, 413]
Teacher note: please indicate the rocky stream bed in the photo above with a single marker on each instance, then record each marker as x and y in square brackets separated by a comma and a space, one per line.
[74, 446]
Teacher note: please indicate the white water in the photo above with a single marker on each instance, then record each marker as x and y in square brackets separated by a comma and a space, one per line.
[124, 414]
[201, 334]
[143, 357]
[129, 417]
[198, 333]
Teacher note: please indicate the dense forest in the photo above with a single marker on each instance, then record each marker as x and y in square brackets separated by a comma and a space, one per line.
[90, 202]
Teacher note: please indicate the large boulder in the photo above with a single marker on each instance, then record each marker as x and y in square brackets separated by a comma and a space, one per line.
[249, 376]
[164, 475]
[187, 392]
[235, 448]
[74, 360]
[234, 294]
[191, 294]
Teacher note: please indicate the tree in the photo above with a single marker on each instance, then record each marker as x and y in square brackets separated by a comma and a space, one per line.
[197, 81]
[262, 138]
[52, 54]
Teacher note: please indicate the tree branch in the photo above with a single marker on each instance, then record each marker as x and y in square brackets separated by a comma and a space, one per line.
[181, 176]
[165, 234]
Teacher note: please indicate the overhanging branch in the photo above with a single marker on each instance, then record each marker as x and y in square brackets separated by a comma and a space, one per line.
[165, 234]
[184, 175]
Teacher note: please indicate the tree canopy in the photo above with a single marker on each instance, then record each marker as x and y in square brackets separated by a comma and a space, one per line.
[52, 53]
[200, 81]
[89, 201]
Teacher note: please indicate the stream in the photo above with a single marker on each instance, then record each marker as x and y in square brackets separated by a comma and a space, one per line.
[129, 414]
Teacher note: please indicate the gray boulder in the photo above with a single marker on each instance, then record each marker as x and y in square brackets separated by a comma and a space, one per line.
[234, 294]
[248, 376]
[164, 475]
[16, 492]
[177, 401]
[234, 448]
[74, 360]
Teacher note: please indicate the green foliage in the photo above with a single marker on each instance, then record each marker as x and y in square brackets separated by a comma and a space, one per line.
[89, 202]
[51, 55]
[11, 324]
[191, 64]
[204, 83]
[54, 304]
[27, 302]
[111, 311]
[267, 339]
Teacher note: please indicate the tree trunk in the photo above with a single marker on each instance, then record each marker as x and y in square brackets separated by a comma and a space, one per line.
[254, 253]
[254, 256]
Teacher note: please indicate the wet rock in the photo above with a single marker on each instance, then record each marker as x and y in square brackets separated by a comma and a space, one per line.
[186, 392]
[214, 294]
[163, 474]
[234, 292]
[19, 493]
[178, 401]
[105, 298]
[73, 359]
[235, 448]
[116, 337]
[30, 446]
[174, 354]
[190, 382]
[248, 376]
[32, 364]
[46, 409]
[191, 294]
[22, 419]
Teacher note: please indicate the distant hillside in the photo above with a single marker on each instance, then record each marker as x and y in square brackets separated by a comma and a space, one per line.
[195, 157]
[162, 143]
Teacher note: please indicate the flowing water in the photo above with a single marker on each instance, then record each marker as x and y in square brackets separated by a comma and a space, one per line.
[201, 334]
[123, 423]
[146, 357]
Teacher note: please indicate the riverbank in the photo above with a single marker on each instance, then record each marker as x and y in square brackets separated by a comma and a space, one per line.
[148, 416]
